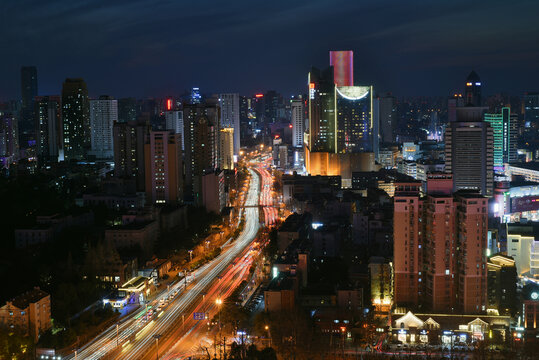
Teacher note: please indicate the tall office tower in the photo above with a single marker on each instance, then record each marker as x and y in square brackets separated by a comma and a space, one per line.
[164, 167]
[48, 128]
[230, 116]
[226, 149]
[453, 102]
[472, 90]
[196, 97]
[531, 110]
[388, 118]
[75, 119]
[343, 67]
[407, 250]
[103, 114]
[29, 92]
[9, 139]
[356, 128]
[273, 107]
[201, 131]
[469, 151]
[127, 110]
[322, 117]
[174, 122]
[440, 247]
[298, 121]
[505, 135]
[129, 139]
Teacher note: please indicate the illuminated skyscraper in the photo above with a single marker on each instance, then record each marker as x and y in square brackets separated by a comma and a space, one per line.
[29, 92]
[174, 122]
[201, 132]
[48, 128]
[196, 98]
[9, 139]
[230, 116]
[322, 116]
[103, 114]
[298, 120]
[505, 135]
[356, 123]
[163, 163]
[343, 67]
[472, 90]
[75, 119]
[226, 149]
[469, 155]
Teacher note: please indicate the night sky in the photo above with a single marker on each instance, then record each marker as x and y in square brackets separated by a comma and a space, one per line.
[157, 48]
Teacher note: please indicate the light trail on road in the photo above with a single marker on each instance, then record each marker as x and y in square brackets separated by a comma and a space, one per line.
[136, 338]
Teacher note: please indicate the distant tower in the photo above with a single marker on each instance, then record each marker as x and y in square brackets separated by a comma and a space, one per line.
[343, 67]
[196, 98]
[230, 116]
[48, 120]
[103, 114]
[29, 92]
[388, 117]
[75, 119]
[298, 121]
[472, 90]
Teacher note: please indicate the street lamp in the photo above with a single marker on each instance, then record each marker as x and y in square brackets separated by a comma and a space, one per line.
[219, 302]
[190, 255]
[269, 334]
[156, 337]
[117, 333]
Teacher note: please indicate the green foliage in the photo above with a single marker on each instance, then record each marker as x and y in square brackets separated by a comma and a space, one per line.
[14, 345]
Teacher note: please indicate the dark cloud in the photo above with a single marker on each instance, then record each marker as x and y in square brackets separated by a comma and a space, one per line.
[149, 47]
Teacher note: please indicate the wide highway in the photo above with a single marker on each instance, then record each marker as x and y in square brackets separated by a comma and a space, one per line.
[139, 335]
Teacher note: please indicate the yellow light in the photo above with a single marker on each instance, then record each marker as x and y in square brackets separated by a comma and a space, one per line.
[218, 301]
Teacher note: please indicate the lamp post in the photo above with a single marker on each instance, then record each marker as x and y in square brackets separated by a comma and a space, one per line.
[190, 255]
[117, 333]
[219, 302]
[267, 328]
[156, 337]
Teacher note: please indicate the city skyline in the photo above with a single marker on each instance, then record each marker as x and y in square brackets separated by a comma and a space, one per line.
[414, 50]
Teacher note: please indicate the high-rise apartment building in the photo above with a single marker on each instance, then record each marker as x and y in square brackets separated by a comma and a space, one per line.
[174, 122]
[127, 109]
[103, 114]
[469, 155]
[472, 90]
[297, 107]
[29, 92]
[343, 67]
[9, 139]
[273, 107]
[75, 119]
[48, 122]
[201, 124]
[230, 116]
[453, 102]
[128, 143]
[163, 167]
[440, 243]
[531, 109]
[388, 118]
[226, 149]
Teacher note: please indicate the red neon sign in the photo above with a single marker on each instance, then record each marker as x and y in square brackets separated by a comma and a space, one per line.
[169, 104]
[259, 95]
